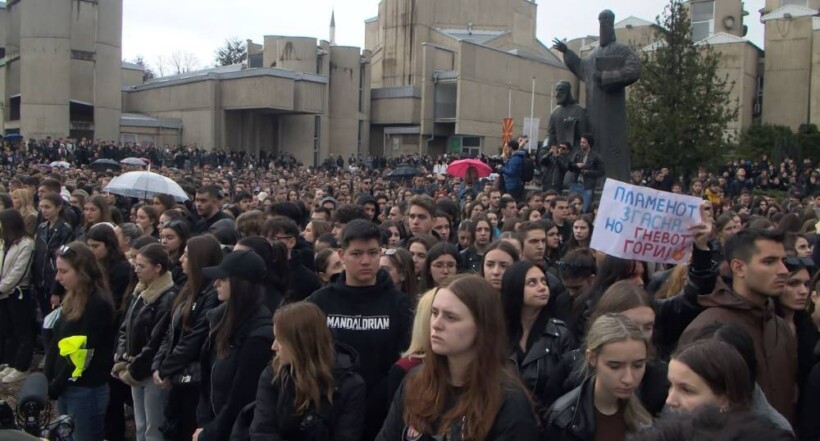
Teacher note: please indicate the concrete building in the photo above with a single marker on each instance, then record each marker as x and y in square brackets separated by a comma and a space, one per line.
[791, 95]
[293, 94]
[445, 74]
[60, 70]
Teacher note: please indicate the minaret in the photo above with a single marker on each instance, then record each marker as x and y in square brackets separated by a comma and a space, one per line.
[333, 28]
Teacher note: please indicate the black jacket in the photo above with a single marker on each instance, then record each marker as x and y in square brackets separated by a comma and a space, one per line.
[303, 253]
[592, 170]
[376, 322]
[181, 347]
[47, 242]
[572, 417]
[652, 392]
[275, 418]
[229, 382]
[98, 326]
[547, 344]
[809, 405]
[119, 278]
[142, 331]
[554, 169]
[303, 282]
[471, 261]
[515, 420]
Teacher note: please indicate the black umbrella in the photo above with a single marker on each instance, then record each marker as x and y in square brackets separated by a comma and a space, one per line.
[105, 164]
[404, 171]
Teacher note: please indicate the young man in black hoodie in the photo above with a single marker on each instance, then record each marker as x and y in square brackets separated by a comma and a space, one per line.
[365, 311]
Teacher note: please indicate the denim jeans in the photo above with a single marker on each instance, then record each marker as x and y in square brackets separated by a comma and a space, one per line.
[86, 406]
[149, 410]
[585, 194]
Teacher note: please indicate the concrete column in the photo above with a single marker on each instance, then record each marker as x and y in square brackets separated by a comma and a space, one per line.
[45, 57]
[108, 70]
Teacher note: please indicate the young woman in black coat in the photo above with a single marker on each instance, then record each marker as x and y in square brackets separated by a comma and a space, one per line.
[176, 365]
[310, 391]
[537, 341]
[238, 345]
[52, 234]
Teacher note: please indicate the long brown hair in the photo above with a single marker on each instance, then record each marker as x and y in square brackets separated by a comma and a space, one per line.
[203, 251]
[301, 328]
[92, 282]
[427, 393]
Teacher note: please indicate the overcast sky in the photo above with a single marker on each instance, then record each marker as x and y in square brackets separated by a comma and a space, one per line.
[153, 28]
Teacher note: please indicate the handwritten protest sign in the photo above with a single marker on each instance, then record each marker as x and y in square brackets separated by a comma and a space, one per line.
[645, 224]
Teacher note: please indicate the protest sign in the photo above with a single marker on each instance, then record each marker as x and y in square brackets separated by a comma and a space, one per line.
[645, 224]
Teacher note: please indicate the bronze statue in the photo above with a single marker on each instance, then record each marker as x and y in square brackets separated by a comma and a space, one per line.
[606, 73]
[568, 120]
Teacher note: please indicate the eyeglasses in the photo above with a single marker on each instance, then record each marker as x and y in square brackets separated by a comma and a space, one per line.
[795, 262]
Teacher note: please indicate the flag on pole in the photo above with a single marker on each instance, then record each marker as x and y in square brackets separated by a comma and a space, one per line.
[507, 131]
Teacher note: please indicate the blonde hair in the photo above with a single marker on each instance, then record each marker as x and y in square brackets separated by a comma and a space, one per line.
[615, 328]
[674, 283]
[26, 207]
[421, 325]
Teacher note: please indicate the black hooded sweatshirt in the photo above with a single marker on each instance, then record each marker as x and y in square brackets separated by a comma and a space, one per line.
[376, 321]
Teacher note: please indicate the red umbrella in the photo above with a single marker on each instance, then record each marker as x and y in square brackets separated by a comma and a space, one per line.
[459, 168]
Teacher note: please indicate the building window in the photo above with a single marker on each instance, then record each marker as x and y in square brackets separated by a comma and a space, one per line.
[794, 2]
[471, 146]
[703, 20]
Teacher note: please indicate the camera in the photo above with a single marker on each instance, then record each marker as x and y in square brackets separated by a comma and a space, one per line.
[33, 411]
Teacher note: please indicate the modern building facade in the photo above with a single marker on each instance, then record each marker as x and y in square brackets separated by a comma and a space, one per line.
[61, 68]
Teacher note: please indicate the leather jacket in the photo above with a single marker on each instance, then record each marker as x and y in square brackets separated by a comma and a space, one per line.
[543, 359]
[572, 417]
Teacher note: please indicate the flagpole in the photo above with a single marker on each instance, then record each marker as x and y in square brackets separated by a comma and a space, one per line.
[509, 102]
[532, 113]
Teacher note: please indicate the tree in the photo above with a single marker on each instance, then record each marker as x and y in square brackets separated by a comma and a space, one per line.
[147, 73]
[678, 112]
[182, 61]
[233, 52]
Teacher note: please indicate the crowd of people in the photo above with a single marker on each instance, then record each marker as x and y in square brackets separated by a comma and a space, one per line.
[314, 303]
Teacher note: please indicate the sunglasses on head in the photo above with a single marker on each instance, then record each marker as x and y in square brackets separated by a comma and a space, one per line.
[388, 251]
[64, 250]
[794, 262]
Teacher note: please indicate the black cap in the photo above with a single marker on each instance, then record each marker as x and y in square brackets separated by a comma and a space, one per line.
[244, 264]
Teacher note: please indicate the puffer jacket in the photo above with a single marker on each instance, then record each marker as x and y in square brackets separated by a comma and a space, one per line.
[48, 241]
[229, 381]
[180, 347]
[145, 324]
[543, 358]
[343, 420]
[512, 170]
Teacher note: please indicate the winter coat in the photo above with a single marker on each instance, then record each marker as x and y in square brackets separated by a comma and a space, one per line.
[275, 417]
[515, 420]
[513, 169]
[376, 322]
[229, 381]
[554, 169]
[16, 267]
[809, 423]
[775, 344]
[543, 356]
[592, 171]
[181, 347]
[48, 241]
[145, 324]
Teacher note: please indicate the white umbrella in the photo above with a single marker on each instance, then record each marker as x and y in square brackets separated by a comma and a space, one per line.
[61, 164]
[144, 185]
[133, 161]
